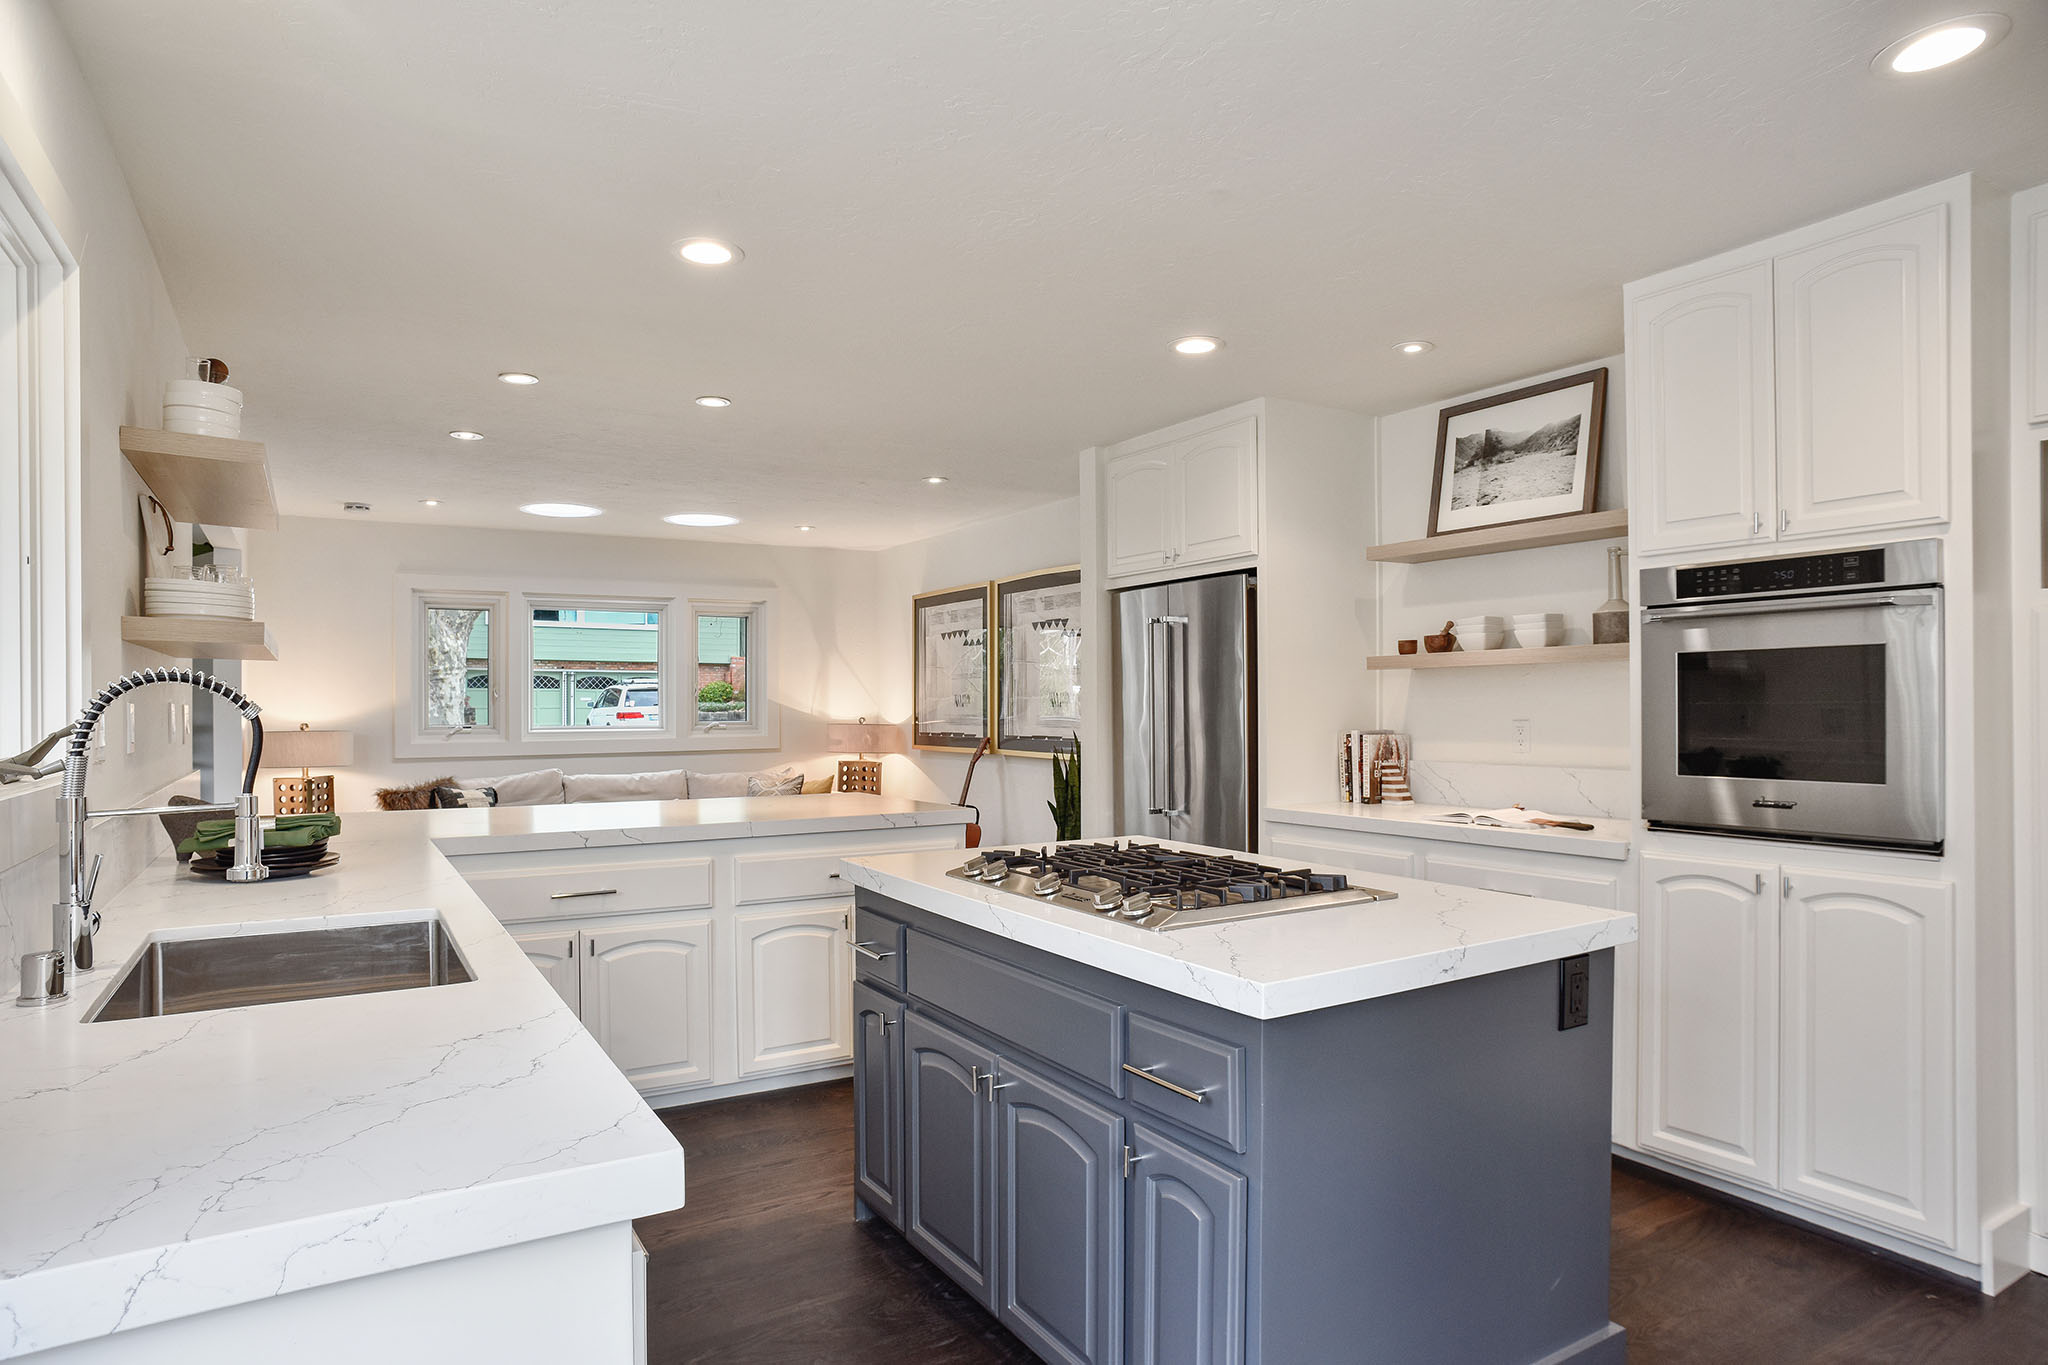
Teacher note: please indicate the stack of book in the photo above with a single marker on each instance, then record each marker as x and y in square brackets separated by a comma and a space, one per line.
[1368, 761]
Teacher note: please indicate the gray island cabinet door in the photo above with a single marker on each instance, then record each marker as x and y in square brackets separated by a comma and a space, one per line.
[878, 1102]
[1059, 1254]
[948, 1199]
[1186, 1223]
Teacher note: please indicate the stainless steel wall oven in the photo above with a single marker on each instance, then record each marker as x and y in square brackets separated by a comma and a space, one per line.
[1797, 697]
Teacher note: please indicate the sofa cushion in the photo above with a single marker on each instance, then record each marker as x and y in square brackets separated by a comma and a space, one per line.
[417, 797]
[463, 798]
[672, 785]
[543, 788]
[718, 784]
[775, 782]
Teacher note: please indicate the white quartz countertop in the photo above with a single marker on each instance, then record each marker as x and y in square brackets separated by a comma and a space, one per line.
[608, 824]
[156, 1168]
[1281, 964]
[1416, 820]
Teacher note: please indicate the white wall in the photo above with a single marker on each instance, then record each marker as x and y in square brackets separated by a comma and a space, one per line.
[328, 587]
[1579, 714]
[1011, 792]
[130, 343]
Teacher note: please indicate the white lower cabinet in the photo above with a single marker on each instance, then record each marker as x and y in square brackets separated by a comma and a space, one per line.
[795, 989]
[1869, 1048]
[647, 999]
[558, 954]
[1799, 1034]
[1708, 956]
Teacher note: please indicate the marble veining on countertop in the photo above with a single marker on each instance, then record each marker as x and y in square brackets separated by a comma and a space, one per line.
[1278, 965]
[161, 1167]
[1420, 820]
[615, 824]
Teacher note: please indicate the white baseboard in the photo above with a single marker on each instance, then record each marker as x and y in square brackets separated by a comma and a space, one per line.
[2006, 1234]
[2037, 1252]
[753, 1085]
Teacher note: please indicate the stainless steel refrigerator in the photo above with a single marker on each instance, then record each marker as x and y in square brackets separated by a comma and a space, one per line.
[1186, 693]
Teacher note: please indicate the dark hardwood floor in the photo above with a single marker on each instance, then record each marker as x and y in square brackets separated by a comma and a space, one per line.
[767, 1267]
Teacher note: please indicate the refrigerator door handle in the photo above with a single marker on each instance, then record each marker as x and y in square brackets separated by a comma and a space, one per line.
[1167, 676]
[1157, 693]
[1183, 728]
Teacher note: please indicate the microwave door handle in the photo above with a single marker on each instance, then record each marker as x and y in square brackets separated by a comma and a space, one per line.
[1773, 606]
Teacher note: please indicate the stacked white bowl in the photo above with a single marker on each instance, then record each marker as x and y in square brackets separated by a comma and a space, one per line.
[1479, 632]
[197, 408]
[1536, 629]
[193, 597]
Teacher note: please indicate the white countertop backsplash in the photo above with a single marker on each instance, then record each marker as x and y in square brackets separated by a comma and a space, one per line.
[1610, 793]
[1423, 820]
[1277, 965]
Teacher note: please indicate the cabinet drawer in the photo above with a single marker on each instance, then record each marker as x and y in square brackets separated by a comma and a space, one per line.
[1602, 892]
[1177, 1060]
[1060, 1024]
[593, 888]
[812, 875]
[884, 938]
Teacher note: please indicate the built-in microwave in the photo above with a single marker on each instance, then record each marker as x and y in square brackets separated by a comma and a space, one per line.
[1797, 697]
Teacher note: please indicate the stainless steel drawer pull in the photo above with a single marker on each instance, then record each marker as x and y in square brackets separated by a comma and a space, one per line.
[868, 950]
[1198, 1096]
[579, 895]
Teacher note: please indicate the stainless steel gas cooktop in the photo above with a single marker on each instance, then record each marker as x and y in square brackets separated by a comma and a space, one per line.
[1154, 887]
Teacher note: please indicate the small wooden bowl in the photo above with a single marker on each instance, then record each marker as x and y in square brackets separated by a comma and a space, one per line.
[1440, 644]
[1405, 646]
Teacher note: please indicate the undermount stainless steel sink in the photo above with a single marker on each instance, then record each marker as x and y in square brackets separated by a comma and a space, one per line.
[186, 975]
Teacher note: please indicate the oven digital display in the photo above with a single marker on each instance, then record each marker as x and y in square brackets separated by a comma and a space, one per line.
[1847, 569]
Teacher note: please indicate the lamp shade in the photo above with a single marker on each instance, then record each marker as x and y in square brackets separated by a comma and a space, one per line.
[303, 748]
[863, 736]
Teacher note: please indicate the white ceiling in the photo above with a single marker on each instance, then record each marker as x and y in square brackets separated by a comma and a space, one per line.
[972, 226]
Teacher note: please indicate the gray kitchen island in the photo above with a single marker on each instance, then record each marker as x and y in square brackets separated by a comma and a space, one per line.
[1358, 1131]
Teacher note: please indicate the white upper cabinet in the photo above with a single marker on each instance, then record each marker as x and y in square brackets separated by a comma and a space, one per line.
[1800, 388]
[1702, 424]
[1862, 350]
[1709, 980]
[1177, 502]
[1869, 1057]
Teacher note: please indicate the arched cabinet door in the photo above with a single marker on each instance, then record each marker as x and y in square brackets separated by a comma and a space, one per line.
[1185, 1228]
[1709, 982]
[949, 1160]
[793, 987]
[878, 1102]
[1869, 1028]
[647, 1000]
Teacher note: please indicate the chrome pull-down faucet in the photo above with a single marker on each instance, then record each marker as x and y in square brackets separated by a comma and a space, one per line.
[46, 977]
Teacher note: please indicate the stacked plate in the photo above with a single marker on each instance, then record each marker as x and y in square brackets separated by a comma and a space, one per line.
[1537, 629]
[1478, 632]
[191, 597]
[197, 408]
[282, 862]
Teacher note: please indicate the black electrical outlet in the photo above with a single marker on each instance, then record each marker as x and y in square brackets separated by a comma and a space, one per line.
[1574, 991]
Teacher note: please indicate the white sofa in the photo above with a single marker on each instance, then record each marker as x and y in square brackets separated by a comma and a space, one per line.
[552, 786]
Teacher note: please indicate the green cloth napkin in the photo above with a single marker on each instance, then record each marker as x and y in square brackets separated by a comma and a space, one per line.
[290, 831]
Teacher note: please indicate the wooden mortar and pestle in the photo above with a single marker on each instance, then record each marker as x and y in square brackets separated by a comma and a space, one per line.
[1440, 644]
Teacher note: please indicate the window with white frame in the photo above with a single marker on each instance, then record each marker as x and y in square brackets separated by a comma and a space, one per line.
[42, 640]
[494, 671]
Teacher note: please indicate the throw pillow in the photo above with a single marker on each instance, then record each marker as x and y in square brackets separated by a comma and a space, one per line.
[417, 797]
[543, 788]
[817, 786]
[464, 798]
[717, 784]
[785, 782]
[662, 786]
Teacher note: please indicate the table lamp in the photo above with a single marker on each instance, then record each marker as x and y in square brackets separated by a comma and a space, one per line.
[306, 749]
[861, 738]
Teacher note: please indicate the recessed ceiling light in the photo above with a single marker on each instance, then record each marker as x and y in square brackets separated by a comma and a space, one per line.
[707, 251]
[430, 502]
[561, 509]
[1414, 347]
[701, 519]
[517, 377]
[712, 400]
[1940, 44]
[1197, 345]
[467, 435]
[806, 528]
[935, 478]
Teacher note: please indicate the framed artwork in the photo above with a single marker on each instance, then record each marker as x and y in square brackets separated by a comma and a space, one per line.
[1038, 662]
[1526, 455]
[950, 671]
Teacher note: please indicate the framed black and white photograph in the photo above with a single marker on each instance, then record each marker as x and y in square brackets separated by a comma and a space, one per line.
[1525, 455]
[1038, 662]
[950, 670]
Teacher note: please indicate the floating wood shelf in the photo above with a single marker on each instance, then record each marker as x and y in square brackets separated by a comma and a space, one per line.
[1489, 540]
[210, 480]
[200, 637]
[1504, 658]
